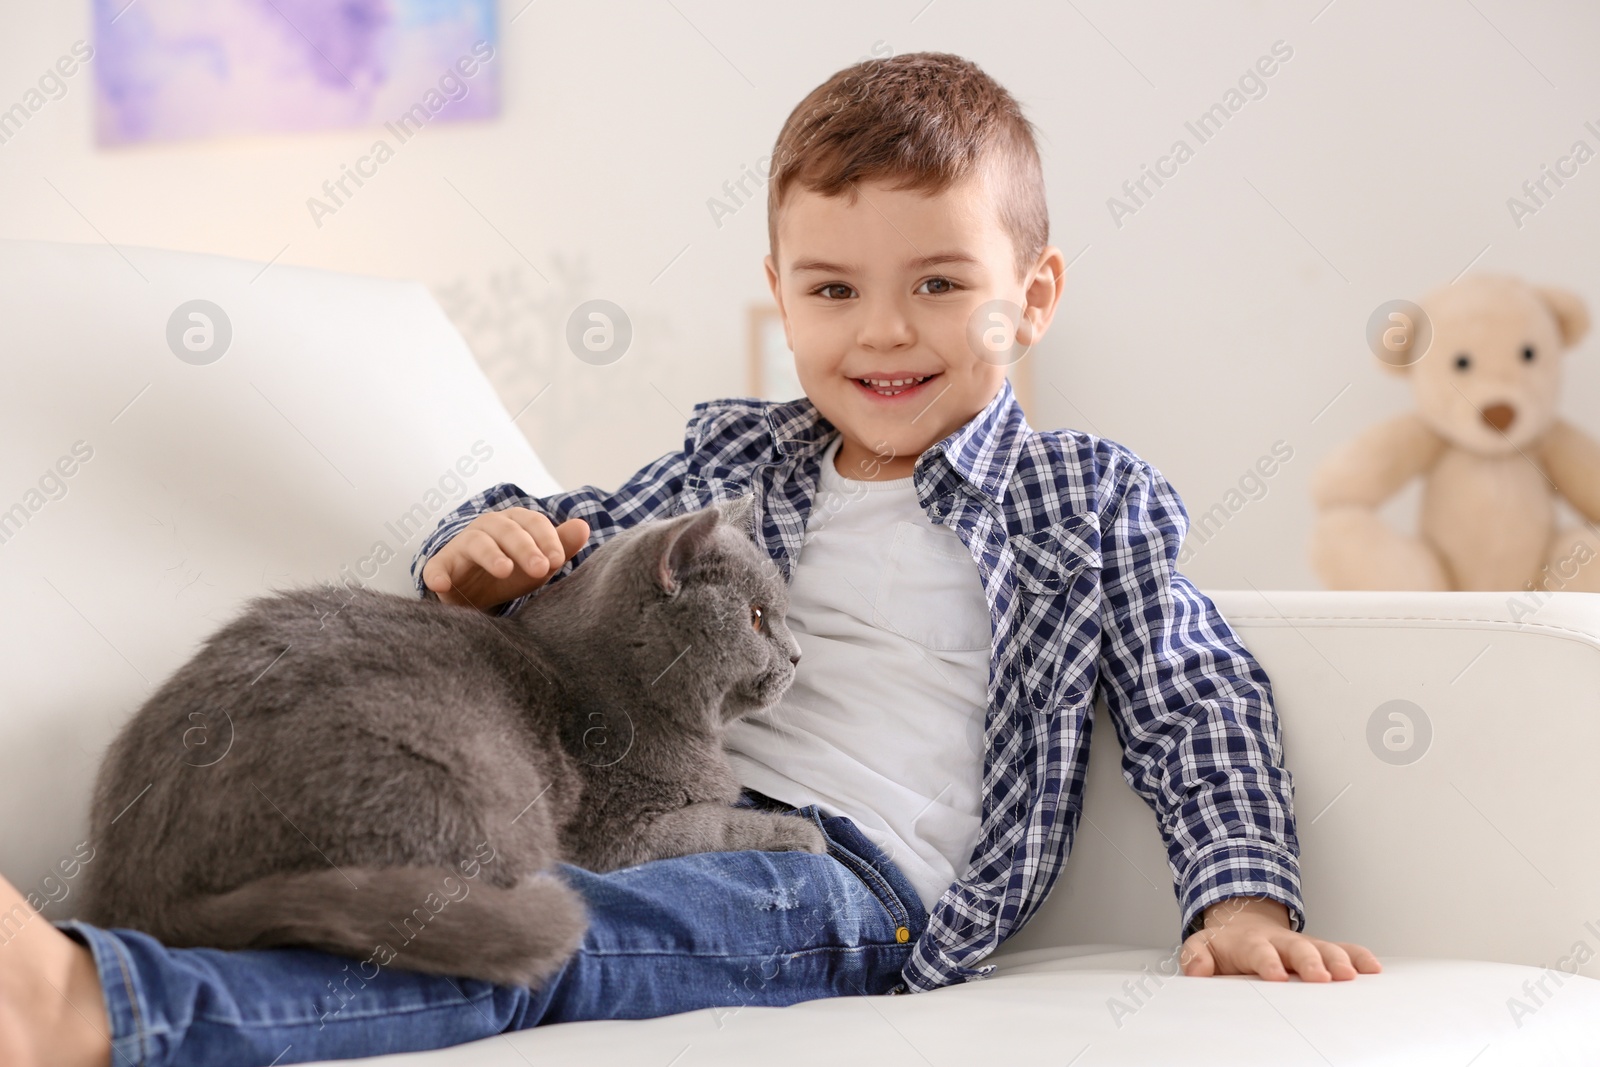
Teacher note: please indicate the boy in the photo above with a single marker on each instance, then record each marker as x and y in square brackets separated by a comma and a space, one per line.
[960, 585]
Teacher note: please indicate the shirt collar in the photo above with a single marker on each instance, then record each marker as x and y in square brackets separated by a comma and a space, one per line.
[983, 452]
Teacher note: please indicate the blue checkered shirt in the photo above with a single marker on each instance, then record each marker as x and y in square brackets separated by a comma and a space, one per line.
[1075, 539]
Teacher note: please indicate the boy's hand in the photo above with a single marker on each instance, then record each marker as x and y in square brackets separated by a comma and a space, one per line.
[1251, 935]
[500, 556]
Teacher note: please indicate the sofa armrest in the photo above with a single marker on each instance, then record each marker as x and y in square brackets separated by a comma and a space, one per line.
[1443, 748]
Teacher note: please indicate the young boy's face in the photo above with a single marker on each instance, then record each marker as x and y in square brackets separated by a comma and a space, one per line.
[879, 301]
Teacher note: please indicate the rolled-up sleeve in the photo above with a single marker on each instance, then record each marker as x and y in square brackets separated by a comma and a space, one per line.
[1193, 709]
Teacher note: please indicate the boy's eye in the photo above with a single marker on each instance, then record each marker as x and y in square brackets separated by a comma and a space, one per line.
[941, 286]
[822, 290]
[755, 616]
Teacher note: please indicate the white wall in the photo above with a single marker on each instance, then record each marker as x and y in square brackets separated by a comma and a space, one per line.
[1223, 316]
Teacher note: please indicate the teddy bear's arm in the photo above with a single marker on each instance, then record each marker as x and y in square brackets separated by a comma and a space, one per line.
[1369, 469]
[1571, 459]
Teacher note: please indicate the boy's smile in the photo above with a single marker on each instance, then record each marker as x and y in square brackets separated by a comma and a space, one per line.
[878, 297]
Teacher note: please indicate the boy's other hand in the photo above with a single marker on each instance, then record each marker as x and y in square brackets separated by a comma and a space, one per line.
[1251, 935]
[500, 556]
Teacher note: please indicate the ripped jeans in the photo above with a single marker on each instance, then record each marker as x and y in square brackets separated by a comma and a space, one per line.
[715, 929]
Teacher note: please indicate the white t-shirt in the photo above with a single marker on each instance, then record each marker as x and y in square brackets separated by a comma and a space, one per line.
[884, 721]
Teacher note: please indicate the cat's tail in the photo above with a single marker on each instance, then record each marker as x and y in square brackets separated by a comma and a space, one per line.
[415, 918]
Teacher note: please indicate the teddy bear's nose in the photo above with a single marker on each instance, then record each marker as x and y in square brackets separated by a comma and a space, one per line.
[1500, 416]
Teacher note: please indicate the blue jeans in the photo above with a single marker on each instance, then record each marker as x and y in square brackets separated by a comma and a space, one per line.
[716, 929]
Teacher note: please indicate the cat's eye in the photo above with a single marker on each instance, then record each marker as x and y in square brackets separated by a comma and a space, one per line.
[755, 616]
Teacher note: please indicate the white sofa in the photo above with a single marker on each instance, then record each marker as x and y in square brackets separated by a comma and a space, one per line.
[345, 406]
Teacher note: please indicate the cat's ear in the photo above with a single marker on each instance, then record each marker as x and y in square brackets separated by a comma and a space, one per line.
[740, 513]
[681, 541]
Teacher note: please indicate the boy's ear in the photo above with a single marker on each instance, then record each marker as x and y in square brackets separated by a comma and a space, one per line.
[1045, 288]
[775, 284]
[771, 266]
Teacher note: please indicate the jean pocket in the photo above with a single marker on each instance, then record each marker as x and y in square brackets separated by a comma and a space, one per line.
[868, 875]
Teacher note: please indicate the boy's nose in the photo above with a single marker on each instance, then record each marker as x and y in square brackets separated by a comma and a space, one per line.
[885, 326]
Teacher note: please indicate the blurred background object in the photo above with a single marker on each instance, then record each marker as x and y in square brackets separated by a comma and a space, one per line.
[1485, 357]
[173, 69]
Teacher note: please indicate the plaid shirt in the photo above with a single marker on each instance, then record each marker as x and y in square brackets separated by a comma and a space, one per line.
[1075, 539]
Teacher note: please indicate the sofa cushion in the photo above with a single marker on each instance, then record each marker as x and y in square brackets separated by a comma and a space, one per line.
[148, 487]
[1103, 1005]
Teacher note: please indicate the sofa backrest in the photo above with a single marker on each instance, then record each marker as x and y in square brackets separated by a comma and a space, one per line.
[149, 485]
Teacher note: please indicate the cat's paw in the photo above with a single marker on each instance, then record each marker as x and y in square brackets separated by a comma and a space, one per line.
[791, 834]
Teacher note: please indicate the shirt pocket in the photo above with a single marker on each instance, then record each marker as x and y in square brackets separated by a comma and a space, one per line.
[930, 591]
[1056, 613]
[1047, 562]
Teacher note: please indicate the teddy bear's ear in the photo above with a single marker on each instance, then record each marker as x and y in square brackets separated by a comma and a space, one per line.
[1572, 317]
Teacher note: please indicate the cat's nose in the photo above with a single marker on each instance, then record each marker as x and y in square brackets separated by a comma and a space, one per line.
[794, 658]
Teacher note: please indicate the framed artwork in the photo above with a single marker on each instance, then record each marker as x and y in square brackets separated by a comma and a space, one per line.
[170, 70]
[771, 364]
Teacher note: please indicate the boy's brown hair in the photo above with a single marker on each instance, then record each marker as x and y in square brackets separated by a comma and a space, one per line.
[922, 121]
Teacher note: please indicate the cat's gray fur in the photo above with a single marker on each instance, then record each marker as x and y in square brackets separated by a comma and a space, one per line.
[358, 771]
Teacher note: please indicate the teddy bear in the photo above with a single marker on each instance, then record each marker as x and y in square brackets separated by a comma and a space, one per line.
[1486, 439]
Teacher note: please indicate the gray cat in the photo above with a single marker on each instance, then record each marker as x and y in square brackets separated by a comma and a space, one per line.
[390, 777]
